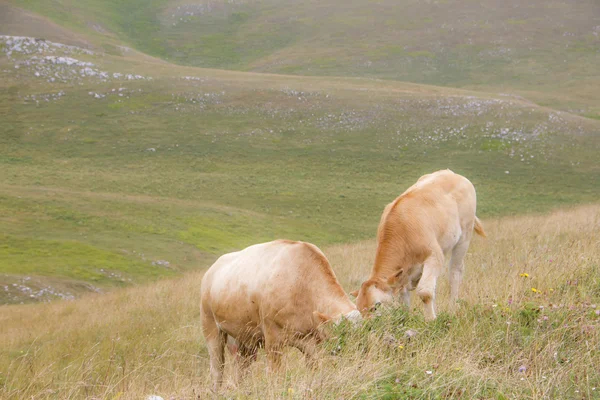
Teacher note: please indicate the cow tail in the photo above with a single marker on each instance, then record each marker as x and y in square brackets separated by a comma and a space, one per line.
[479, 228]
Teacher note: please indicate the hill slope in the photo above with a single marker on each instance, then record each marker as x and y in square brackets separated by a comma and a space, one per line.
[119, 169]
[548, 50]
[506, 341]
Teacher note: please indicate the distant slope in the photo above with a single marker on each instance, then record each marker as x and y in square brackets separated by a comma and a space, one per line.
[547, 49]
[119, 169]
[19, 22]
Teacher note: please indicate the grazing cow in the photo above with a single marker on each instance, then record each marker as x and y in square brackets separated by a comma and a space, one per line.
[269, 295]
[434, 216]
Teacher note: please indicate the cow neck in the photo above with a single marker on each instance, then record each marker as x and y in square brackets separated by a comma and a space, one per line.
[390, 257]
[335, 302]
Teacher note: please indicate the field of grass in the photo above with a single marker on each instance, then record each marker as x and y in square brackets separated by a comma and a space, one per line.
[136, 169]
[514, 336]
[547, 50]
[125, 163]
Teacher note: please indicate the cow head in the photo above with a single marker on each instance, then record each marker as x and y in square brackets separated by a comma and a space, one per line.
[324, 322]
[353, 316]
[376, 291]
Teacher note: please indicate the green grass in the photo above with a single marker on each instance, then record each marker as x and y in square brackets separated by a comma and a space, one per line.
[184, 170]
[100, 193]
[505, 341]
[70, 259]
[240, 159]
[542, 46]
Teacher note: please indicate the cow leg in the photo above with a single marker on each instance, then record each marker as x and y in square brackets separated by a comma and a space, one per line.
[233, 347]
[457, 267]
[412, 284]
[273, 344]
[426, 287]
[215, 342]
[246, 355]
[406, 297]
[308, 347]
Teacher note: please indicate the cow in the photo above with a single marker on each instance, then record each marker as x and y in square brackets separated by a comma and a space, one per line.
[269, 295]
[434, 216]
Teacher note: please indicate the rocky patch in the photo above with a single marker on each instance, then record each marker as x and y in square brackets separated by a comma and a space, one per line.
[55, 62]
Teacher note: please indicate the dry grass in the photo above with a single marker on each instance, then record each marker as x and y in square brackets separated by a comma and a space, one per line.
[145, 340]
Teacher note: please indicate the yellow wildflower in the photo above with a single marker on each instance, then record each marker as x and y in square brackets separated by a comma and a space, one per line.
[534, 290]
[400, 346]
[290, 391]
[524, 275]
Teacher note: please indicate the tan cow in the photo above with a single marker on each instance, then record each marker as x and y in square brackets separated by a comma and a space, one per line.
[433, 217]
[269, 295]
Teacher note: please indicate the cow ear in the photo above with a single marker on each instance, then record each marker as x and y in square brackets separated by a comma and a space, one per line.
[354, 293]
[320, 318]
[394, 278]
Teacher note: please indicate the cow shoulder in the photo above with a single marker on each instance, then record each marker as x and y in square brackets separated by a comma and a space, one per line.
[319, 267]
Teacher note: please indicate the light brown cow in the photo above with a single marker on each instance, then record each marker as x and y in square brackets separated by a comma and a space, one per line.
[269, 295]
[433, 217]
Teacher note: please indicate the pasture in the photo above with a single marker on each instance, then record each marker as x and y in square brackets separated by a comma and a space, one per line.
[140, 140]
[136, 169]
[506, 341]
[544, 50]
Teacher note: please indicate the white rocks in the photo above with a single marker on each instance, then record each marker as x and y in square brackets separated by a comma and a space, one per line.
[162, 263]
[47, 97]
[16, 291]
[192, 78]
[459, 106]
[42, 59]
[67, 61]
[131, 77]
[30, 45]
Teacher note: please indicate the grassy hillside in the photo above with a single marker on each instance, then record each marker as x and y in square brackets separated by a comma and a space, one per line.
[546, 50]
[123, 162]
[506, 341]
[121, 169]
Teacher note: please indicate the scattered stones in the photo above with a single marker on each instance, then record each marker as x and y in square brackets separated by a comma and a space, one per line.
[198, 101]
[114, 275]
[41, 59]
[162, 263]
[452, 106]
[30, 45]
[45, 97]
[346, 120]
[27, 288]
[192, 78]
